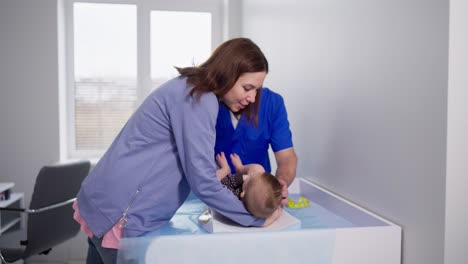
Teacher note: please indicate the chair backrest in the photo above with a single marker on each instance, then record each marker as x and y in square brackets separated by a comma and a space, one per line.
[54, 184]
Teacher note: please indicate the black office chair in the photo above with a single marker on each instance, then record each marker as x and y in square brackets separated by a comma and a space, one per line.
[50, 219]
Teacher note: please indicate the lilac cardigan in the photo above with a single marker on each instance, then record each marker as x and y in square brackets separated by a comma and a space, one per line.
[164, 150]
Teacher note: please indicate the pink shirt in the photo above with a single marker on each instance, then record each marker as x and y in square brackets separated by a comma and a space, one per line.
[110, 240]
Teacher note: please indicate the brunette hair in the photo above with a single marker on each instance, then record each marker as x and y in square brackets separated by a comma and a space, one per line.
[220, 72]
[262, 195]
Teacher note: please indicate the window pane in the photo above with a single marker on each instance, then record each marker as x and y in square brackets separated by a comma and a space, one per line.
[178, 39]
[105, 72]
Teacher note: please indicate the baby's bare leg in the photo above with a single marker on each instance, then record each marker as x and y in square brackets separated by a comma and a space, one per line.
[251, 169]
[224, 168]
[237, 162]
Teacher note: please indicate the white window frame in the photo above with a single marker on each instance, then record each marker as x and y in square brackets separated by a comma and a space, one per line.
[218, 10]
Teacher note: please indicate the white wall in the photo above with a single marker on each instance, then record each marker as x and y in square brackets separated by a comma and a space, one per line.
[365, 84]
[456, 219]
[29, 116]
[28, 90]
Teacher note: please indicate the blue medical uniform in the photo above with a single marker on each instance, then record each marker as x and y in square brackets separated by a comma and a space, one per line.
[251, 143]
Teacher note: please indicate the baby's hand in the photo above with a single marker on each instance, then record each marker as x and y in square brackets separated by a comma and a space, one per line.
[237, 162]
[223, 163]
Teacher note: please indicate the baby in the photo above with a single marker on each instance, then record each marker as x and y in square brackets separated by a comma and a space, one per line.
[258, 190]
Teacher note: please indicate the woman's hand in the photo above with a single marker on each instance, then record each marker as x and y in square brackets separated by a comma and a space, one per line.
[276, 214]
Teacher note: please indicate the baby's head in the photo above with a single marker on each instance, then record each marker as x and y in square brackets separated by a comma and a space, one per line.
[262, 194]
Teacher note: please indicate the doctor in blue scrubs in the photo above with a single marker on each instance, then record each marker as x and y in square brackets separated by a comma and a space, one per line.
[234, 134]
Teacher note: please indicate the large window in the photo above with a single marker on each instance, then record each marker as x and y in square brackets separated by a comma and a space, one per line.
[119, 51]
[169, 44]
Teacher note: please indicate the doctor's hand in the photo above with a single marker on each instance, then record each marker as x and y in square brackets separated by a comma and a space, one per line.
[284, 192]
[276, 214]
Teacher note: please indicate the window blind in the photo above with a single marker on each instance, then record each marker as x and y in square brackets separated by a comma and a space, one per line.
[101, 109]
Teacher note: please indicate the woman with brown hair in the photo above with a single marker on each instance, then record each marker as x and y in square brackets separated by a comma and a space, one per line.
[166, 150]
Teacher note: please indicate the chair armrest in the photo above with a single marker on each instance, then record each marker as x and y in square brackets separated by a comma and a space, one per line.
[37, 210]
